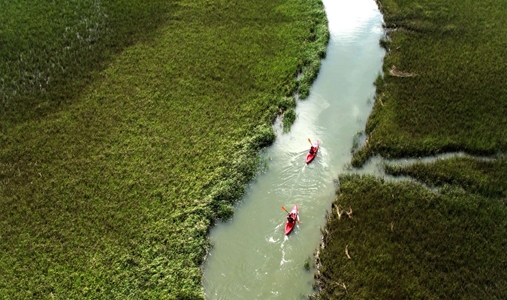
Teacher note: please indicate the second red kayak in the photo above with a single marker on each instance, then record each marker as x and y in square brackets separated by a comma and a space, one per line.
[292, 218]
[312, 152]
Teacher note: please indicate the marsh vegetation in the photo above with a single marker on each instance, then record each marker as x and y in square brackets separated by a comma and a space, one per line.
[404, 241]
[129, 127]
[441, 235]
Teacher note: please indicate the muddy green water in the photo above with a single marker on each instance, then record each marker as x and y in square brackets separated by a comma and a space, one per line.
[251, 257]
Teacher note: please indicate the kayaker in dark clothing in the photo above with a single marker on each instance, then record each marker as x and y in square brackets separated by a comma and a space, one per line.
[290, 218]
[312, 150]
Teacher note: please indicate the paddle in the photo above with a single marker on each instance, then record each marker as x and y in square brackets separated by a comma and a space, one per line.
[310, 141]
[297, 218]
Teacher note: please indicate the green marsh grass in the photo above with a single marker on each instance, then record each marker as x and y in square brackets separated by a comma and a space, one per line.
[111, 176]
[404, 241]
[442, 90]
[51, 50]
[478, 176]
[443, 83]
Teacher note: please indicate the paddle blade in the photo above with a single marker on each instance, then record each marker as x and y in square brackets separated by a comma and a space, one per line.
[309, 140]
[283, 207]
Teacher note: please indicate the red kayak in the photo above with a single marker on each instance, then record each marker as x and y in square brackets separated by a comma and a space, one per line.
[294, 214]
[312, 152]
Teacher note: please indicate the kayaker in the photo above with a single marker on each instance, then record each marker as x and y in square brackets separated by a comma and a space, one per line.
[312, 150]
[290, 218]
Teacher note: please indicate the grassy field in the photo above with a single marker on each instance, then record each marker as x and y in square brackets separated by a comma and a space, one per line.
[444, 80]
[129, 127]
[403, 241]
[51, 50]
[443, 234]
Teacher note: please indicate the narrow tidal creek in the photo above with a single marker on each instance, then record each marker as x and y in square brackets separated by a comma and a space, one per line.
[252, 258]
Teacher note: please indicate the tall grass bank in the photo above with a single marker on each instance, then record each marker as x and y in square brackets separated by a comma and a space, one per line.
[129, 127]
[442, 233]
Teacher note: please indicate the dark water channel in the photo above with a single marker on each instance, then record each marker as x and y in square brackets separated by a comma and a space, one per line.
[252, 258]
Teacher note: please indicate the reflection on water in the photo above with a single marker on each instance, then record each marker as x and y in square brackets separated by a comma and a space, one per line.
[347, 19]
[252, 258]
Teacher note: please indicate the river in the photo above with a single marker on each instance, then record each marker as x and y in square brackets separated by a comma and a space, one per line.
[251, 257]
